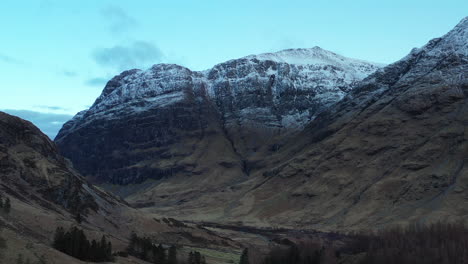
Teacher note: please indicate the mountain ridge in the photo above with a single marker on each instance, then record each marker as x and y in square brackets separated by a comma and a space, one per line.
[202, 78]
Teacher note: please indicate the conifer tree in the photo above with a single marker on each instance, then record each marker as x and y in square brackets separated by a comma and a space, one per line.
[293, 255]
[7, 206]
[75, 244]
[41, 260]
[244, 257]
[94, 250]
[109, 251]
[172, 255]
[59, 239]
[191, 258]
[133, 244]
[102, 249]
[19, 259]
[3, 244]
[161, 255]
[78, 218]
[197, 257]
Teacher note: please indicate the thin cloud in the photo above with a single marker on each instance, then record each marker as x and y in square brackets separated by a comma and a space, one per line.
[51, 108]
[139, 54]
[45, 4]
[69, 74]
[119, 20]
[96, 82]
[48, 123]
[10, 60]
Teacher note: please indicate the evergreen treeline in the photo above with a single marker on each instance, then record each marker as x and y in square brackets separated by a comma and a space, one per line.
[5, 204]
[296, 255]
[75, 244]
[143, 248]
[417, 244]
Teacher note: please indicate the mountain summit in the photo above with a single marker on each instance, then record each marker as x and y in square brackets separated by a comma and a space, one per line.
[318, 56]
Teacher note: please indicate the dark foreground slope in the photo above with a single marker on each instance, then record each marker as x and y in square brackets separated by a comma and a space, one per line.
[45, 193]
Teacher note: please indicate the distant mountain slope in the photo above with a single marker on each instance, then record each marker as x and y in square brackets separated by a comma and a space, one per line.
[393, 151]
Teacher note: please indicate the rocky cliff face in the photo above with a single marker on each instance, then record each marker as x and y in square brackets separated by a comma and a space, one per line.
[169, 120]
[285, 89]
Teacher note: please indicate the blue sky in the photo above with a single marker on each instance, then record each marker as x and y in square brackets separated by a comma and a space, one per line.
[56, 55]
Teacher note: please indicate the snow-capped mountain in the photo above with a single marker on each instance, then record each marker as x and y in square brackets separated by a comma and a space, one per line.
[218, 146]
[298, 83]
[285, 89]
[247, 101]
[435, 55]
[318, 56]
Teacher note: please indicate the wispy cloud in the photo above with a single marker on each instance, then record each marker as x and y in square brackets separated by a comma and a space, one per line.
[121, 57]
[8, 59]
[119, 21]
[68, 73]
[47, 4]
[96, 82]
[48, 123]
[286, 42]
[51, 108]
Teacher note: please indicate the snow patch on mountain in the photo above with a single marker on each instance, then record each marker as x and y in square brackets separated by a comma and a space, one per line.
[277, 89]
[315, 56]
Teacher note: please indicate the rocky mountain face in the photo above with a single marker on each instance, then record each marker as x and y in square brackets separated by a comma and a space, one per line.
[394, 150]
[169, 120]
